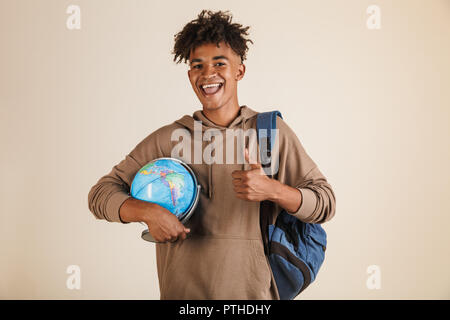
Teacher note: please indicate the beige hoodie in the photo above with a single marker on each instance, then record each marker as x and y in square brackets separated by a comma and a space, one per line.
[223, 256]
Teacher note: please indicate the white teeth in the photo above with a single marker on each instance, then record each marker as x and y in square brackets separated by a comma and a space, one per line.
[211, 85]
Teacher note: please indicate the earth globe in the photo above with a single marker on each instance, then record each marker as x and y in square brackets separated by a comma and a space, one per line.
[170, 183]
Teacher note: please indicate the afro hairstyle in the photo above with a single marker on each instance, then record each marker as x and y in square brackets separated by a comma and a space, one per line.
[210, 27]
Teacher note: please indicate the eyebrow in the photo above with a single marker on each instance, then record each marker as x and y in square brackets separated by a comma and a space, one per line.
[214, 58]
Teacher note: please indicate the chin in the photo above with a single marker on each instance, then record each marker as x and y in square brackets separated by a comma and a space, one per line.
[211, 106]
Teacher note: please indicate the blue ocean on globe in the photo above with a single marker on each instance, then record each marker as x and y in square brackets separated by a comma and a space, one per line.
[165, 182]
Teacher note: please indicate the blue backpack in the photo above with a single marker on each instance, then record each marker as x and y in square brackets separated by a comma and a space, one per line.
[296, 250]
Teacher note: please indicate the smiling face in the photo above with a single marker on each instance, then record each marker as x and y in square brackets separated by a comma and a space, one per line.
[214, 73]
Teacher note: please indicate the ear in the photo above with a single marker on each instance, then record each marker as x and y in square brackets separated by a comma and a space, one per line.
[241, 72]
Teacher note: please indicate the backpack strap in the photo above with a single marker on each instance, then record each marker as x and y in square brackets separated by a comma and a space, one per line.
[265, 123]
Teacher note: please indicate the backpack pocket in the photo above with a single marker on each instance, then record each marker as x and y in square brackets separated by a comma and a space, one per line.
[288, 256]
[316, 243]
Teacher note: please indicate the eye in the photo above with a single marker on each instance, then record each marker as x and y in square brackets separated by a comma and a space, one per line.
[221, 63]
[197, 65]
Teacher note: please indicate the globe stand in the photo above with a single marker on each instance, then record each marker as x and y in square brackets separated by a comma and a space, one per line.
[147, 236]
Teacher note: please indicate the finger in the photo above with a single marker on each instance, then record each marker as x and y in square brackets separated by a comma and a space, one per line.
[242, 196]
[174, 238]
[237, 174]
[246, 155]
[239, 196]
[253, 164]
[237, 182]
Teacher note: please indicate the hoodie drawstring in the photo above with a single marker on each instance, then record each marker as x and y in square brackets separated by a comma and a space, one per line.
[243, 130]
[211, 165]
[209, 181]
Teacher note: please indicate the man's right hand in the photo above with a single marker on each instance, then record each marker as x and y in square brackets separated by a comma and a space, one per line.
[162, 224]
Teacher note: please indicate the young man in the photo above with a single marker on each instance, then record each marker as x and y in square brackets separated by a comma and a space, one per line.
[219, 254]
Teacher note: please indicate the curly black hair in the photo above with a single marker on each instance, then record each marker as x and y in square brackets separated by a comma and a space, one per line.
[210, 27]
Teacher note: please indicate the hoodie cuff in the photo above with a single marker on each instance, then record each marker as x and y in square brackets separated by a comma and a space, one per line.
[114, 204]
[307, 205]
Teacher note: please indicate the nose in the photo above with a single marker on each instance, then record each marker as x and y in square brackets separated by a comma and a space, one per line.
[209, 72]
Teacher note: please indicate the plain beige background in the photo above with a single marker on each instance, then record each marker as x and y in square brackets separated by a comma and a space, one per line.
[371, 107]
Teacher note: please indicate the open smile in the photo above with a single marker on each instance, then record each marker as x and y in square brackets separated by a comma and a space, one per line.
[211, 89]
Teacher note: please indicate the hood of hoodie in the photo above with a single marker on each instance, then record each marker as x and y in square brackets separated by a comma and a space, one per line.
[240, 122]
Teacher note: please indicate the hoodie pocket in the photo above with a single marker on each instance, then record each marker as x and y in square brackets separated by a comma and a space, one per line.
[212, 268]
[261, 264]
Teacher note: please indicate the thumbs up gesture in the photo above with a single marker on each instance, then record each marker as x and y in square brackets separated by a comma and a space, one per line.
[253, 184]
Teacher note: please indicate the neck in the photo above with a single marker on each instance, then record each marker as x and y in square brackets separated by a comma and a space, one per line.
[222, 116]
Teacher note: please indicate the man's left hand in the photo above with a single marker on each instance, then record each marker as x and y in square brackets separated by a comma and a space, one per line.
[253, 184]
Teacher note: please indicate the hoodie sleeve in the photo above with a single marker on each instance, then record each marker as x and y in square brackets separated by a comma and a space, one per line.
[298, 170]
[107, 196]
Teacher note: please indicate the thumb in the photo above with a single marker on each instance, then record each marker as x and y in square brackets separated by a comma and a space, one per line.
[253, 164]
